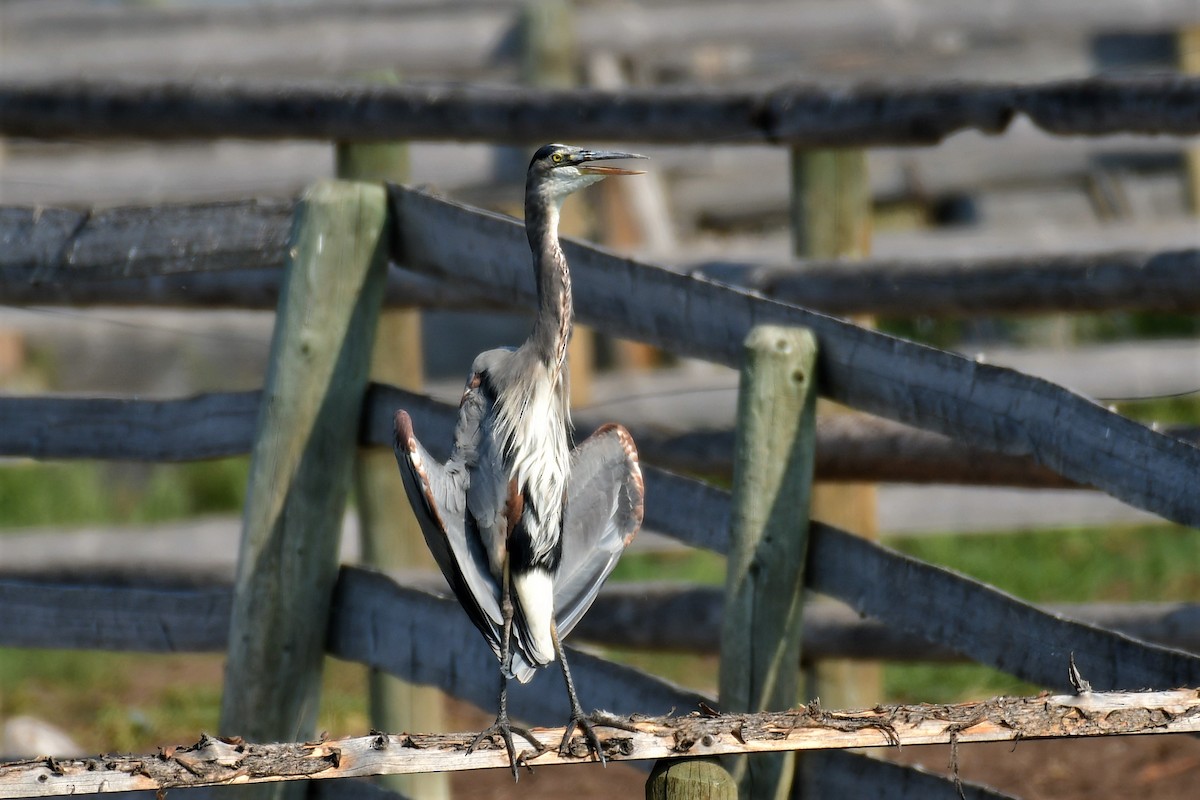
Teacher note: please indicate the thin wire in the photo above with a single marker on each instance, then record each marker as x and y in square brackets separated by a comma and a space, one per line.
[139, 326]
[664, 393]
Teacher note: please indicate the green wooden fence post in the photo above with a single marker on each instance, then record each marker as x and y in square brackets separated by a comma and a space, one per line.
[690, 779]
[300, 466]
[764, 588]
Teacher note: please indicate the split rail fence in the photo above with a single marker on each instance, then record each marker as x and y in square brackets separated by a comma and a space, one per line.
[329, 262]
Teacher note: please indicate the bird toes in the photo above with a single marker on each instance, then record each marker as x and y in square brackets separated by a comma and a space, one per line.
[570, 746]
[503, 730]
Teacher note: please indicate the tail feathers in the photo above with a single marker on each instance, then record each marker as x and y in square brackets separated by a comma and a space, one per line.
[534, 595]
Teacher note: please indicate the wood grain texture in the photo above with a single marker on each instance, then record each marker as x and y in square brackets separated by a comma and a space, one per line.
[221, 762]
[979, 404]
[300, 467]
[797, 115]
[764, 584]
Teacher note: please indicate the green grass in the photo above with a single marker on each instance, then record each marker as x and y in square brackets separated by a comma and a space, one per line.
[1148, 562]
[1138, 563]
[87, 492]
[134, 702]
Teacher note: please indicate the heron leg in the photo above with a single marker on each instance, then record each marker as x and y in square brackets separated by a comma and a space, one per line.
[502, 727]
[578, 718]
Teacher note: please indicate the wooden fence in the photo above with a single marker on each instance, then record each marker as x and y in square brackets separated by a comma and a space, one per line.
[232, 254]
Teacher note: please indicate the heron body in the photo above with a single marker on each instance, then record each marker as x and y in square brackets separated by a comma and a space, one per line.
[524, 527]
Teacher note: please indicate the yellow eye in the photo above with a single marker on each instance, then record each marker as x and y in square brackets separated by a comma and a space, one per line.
[558, 157]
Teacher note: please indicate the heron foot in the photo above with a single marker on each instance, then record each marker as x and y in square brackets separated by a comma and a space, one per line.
[591, 743]
[504, 730]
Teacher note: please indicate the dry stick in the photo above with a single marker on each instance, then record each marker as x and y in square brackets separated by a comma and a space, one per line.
[216, 762]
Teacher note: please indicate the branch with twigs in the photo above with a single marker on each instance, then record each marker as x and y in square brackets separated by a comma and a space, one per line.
[215, 762]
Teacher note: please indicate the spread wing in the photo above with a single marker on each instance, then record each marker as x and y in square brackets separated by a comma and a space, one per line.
[602, 515]
[438, 494]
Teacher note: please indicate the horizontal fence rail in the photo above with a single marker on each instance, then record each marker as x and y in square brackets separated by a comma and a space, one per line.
[942, 607]
[202, 255]
[981, 405]
[794, 115]
[232, 254]
[219, 425]
[984, 624]
[136, 612]
[1168, 281]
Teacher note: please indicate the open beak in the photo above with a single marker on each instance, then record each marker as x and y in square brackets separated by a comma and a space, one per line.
[606, 155]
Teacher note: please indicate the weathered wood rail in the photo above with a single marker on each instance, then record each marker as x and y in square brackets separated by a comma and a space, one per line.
[978, 404]
[222, 762]
[135, 612]
[223, 424]
[232, 254]
[797, 116]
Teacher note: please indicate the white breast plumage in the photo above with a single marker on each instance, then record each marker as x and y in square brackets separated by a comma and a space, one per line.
[533, 424]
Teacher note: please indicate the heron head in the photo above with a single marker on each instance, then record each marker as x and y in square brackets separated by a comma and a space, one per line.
[559, 169]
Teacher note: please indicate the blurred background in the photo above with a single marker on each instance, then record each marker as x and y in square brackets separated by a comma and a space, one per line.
[972, 197]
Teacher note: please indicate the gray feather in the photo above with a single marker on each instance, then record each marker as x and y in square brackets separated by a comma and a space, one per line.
[437, 494]
[603, 513]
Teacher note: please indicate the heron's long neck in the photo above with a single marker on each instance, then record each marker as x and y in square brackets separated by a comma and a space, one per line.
[552, 326]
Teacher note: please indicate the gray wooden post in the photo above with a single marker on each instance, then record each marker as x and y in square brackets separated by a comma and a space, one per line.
[300, 465]
[388, 531]
[1187, 42]
[831, 218]
[764, 587]
[690, 779]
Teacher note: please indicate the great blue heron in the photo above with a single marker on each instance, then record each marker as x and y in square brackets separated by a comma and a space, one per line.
[524, 528]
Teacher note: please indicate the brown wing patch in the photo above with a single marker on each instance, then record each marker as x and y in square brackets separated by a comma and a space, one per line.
[638, 508]
[474, 383]
[407, 440]
[514, 507]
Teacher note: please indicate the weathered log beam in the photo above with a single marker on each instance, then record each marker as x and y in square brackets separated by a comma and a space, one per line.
[219, 425]
[225, 762]
[810, 116]
[231, 255]
[135, 612]
[1167, 281]
[990, 407]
